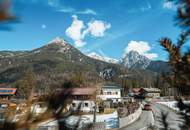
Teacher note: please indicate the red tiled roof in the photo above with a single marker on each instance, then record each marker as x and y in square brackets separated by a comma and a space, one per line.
[7, 91]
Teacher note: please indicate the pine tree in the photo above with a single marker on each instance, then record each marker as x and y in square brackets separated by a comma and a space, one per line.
[179, 61]
[26, 85]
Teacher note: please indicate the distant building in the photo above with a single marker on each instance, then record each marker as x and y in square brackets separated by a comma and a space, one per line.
[110, 93]
[7, 93]
[150, 92]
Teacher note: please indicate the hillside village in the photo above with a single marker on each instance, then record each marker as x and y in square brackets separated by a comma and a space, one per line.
[94, 65]
[95, 93]
[105, 105]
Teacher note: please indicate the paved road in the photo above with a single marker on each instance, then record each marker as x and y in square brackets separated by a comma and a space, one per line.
[145, 120]
[174, 120]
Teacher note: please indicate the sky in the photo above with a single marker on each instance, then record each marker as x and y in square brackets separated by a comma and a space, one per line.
[109, 28]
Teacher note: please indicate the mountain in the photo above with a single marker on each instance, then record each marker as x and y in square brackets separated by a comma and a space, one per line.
[133, 60]
[102, 58]
[55, 62]
[159, 66]
[58, 62]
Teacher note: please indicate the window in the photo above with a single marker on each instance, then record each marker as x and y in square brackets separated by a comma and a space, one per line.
[101, 92]
[109, 93]
[86, 104]
[73, 105]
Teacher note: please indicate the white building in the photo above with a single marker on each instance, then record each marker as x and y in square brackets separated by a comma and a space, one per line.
[150, 92]
[110, 92]
[83, 106]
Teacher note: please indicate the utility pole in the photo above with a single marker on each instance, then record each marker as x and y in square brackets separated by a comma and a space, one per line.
[95, 104]
[94, 119]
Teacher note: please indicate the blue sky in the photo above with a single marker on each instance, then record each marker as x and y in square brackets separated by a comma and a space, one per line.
[107, 27]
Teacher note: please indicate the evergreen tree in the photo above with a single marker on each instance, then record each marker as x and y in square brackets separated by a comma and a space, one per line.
[26, 85]
[179, 61]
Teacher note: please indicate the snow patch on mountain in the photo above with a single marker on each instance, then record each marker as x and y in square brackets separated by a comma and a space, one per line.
[102, 58]
[107, 73]
[58, 41]
[64, 46]
[136, 61]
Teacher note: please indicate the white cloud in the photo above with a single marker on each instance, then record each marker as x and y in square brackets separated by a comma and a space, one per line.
[60, 7]
[78, 31]
[72, 10]
[169, 5]
[142, 48]
[151, 55]
[97, 28]
[66, 10]
[75, 31]
[87, 11]
[80, 43]
[57, 4]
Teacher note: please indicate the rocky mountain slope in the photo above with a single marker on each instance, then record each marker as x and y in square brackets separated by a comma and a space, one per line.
[54, 62]
[58, 61]
[133, 60]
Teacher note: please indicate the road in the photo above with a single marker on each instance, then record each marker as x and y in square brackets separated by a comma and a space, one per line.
[147, 117]
[173, 119]
[145, 120]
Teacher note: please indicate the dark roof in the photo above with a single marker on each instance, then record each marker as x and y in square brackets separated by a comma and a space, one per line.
[7, 91]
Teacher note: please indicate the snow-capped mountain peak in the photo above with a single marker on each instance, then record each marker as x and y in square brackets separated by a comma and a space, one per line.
[102, 58]
[59, 41]
[134, 60]
[56, 45]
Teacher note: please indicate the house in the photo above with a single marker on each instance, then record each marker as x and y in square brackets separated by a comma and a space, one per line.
[82, 98]
[110, 93]
[150, 92]
[7, 93]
